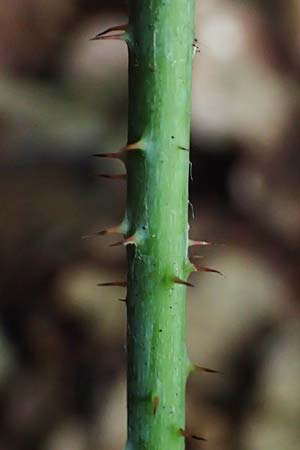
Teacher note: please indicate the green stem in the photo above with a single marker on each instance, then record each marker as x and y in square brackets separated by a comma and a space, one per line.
[160, 40]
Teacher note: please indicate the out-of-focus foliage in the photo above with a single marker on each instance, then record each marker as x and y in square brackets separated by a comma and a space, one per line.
[62, 339]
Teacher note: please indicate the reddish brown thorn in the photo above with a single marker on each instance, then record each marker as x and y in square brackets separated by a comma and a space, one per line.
[113, 230]
[104, 35]
[193, 243]
[119, 176]
[113, 283]
[205, 369]
[184, 283]
[120, 154]
[117, 155]
[200, 268]
[109, 30]
[112, 37]
[127, 241]
[155, 405]
[188, 435]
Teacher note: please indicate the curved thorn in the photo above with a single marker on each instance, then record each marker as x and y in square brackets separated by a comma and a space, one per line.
[109, 30]
[206, 369]
[188, 435]
[193, 243]
[130, 240]
[112, 230]
[184, 283]
[124, 300]
[155, 405]
[183, 148]
[113, 283]
[200, 268]
[109, 37]
[112, 37]
[119, 176]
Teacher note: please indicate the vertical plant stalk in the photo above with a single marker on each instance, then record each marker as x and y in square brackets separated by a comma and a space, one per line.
[160, 39]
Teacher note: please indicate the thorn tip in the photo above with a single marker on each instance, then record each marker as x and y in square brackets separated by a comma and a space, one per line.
[113, 283]
[118, 176]
[188, 435]
[206, 369]
[113, 230]
[116, 155]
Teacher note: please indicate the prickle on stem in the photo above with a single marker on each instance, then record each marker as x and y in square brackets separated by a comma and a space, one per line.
[182, 282]
[113, 283]
[193, 243]
[206, 369]
[131, 240]
[113, 230]
[104, 35]
[190, 436]
[200, 268]
[122, 152]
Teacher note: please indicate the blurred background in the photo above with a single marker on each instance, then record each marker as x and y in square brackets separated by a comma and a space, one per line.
[62, 339]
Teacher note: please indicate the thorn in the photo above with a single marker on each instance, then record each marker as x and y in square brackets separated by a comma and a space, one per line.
[117, 155]
[115, 28]
[193, 243]
[112, 230]
[183, 148]
[202, 243]
[128, 241]
[124, 300]
[185, 283]
[118, 176]
[206, 369]
[188, 435]
[117, 37]
[134, 146]
[105, 36]
[113, 283]
[155, 405]
[198, 438]
[200, 268]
